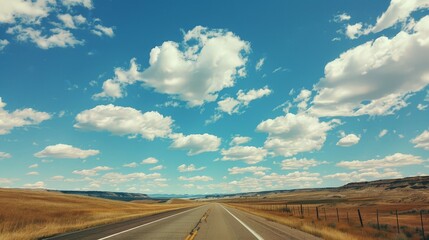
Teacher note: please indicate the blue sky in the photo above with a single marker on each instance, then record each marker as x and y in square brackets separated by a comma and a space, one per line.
[161, 97]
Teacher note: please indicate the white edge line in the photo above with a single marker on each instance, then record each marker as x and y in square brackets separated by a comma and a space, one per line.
[242, 223]
[146, 224]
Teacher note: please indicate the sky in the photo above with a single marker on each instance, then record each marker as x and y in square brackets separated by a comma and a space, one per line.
[217, 97]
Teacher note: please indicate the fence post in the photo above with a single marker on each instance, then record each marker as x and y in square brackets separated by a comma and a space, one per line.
[421, 220]
[378, 223]
[324, 210]
[397, 220]
[338, 216]
[317, 213]
[302, 211]
[360, 218]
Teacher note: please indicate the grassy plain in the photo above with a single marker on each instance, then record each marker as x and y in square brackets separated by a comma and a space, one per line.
[32, 214]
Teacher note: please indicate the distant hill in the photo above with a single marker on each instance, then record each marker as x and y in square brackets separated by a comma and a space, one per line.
[122, 196]
[419, 182]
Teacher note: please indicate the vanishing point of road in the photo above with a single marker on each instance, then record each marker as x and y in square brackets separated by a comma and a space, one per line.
[211, 221]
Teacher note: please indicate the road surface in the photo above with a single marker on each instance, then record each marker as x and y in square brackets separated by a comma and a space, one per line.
[211, 221]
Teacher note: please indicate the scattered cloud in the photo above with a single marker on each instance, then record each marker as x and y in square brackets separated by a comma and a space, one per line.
[190, 168]
[101, 30]
[124, 121]
[38, 184]
[259, 64]
[149, 160]
[343, 17]
[3, 44]
[130, 165]
[383, 133]
[159, 167]
[65, 151]
[194, 71]
[4, 155]
[32, 173]
[348, 140]
[196, 179]
[247, 154]
[395, 160]
[34, 165]
[116, 178]
[364, 175]
[292, 134]
[256, 170]
[92, 171]
[422, 140]
[303, 163]
[19, 118]
[195, 143]
[57, 178]
[421, 107]
[238, 140]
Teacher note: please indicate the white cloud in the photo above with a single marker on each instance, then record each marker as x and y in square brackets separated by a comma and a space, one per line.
[24, 11]
[19, 118]
[349, 140]
[302, 99]
[292, 134]
[196, 179]
[356, 30]
[3, 44]
[150, 160]
[101, 30]
[4, 155]
[421, 107]
[70, 21]
[196, 143]
[259, 64]
[395, 160]
[257, 170]
[228, 105]
[342, 17]
[58, 37]
[365, 175]
[116, 178]
[57, 178]
[422, 140]
[211, 60]
[34, 165]
[38, 184]
[65, 151]
[5, 182]
[124, 121]
[189, 168]
[247, 154]
[294, 163]
[370, 79]
[238, 140]
[159, 167]
[383, 133]
[92, 171]
[71, 3]
[130, 165]
[32, 173]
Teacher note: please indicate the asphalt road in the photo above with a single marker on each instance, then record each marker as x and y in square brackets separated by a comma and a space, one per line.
[212, 221]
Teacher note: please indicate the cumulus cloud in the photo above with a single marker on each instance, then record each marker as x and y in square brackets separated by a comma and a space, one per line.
[395, 160]
[238, 140]
[422, 140]
[124, 121]
[34, 165]
[19, 118]
[383, 133]
[292, 134]
[196, 179]
[101, 30]
[71, 3]
[25, 11]
[365, 175]
[377, 77]
[38, 184]
[348, 140]
[159, 167]
[116, 178]
[149, 160]
[65, 151]
[228, 105]
[342, 17]
[190, 168]
[302, 99]
[247, 154]
[70, 21]
[130, 165]
[421, 107]
[303, 163]
[93, 171]
[4, 155]
[194, 71]
[195, 143]
[257, 170]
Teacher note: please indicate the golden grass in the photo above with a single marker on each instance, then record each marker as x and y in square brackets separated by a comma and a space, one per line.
[32, 214]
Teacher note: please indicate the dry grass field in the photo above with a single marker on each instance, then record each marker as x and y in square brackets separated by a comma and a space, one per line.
[286, 208]
[32, 214]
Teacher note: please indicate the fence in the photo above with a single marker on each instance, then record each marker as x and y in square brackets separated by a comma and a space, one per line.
[389, 218]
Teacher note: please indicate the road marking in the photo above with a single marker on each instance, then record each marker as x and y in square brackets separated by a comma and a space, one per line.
[242, 223]
[147, 224]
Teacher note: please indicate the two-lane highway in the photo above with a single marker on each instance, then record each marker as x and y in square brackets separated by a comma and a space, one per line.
[210, 221]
